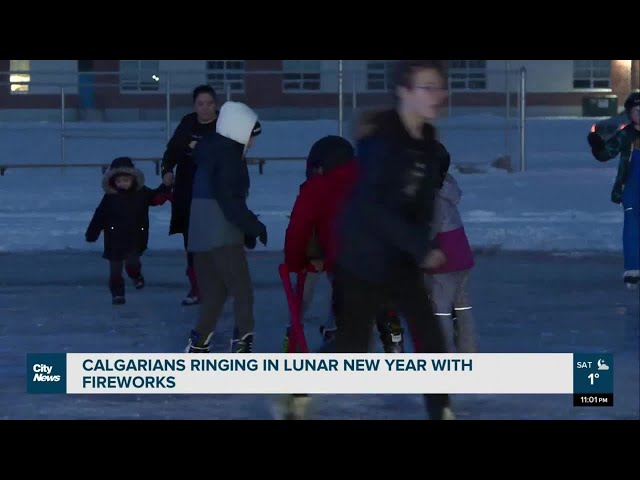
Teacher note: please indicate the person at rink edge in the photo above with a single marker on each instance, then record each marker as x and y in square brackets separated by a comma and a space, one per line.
[626, 187]
[179, 156]
[221, 225]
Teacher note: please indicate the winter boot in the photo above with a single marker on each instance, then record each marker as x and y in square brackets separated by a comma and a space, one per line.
[193, 297]
[116, 285]
[195, 344]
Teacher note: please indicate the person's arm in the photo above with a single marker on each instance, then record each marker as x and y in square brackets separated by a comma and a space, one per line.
[605, 150]
[177, 146]
[158, 196]
[97, 221]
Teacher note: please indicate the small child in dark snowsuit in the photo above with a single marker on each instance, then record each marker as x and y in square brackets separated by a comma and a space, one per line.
[123, 215]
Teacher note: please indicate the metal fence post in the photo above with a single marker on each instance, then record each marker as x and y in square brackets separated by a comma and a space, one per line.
[62, 126]
[523, 116]
[340, 94]
[168, 94]
[354, 101]
[507, 113]
[228, 92]
[449, 97]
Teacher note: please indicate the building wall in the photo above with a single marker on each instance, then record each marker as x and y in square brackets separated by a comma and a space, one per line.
[549, 84]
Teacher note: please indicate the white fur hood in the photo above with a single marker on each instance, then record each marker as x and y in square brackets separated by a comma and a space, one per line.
[236, 121]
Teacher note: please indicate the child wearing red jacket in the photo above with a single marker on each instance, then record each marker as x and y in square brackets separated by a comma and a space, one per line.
[313, 219]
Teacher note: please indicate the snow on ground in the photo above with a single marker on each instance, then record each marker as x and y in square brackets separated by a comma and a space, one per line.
[561, 201]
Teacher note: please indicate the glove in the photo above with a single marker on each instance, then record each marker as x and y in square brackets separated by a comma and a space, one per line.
[90, 239]
[249, 242]
[595, 142]
[263, 234]
[616, 194]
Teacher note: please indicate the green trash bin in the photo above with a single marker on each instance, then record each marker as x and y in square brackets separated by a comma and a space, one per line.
[600, 106]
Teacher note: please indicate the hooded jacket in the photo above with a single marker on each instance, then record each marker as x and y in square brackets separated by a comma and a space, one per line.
[448, 229]
[219, 213]
[123, 216]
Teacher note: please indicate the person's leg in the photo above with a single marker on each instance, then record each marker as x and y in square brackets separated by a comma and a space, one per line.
[193, 297]
[356, 304]
[631, 243]
[133, 267]
[410, 295]
[116, 281]
[443, 288]
[232, 266]
[213, 300]
[466, 339]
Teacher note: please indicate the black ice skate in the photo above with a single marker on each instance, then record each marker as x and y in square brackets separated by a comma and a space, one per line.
[242, 345]
[391, 333]
[195, 344]
[118, 300]
[191, 299]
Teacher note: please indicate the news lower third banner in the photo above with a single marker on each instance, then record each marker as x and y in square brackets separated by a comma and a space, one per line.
[589, 377]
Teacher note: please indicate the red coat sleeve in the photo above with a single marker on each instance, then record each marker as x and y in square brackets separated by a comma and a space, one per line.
[300, 230]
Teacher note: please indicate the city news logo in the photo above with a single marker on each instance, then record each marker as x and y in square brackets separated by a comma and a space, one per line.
[46, 373]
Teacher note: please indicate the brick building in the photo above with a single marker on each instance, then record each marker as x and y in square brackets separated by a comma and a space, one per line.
[137, 89]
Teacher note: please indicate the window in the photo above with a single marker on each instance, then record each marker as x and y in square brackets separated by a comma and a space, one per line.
[139, 75]
[226, 73]
[467, 74]
[378, 75]
[301, 75]
[592, 74]
[19, 76]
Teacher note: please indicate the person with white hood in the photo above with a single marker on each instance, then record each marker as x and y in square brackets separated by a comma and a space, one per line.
[221, 225]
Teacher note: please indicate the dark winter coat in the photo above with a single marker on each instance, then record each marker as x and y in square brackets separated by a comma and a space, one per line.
[178, 155]
[621, 143]
[124, 215]
[386, 221]
[219, 213]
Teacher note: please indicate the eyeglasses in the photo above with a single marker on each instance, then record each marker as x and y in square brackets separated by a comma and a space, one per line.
[431, 88]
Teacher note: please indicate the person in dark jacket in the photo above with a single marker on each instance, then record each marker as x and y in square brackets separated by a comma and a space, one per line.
[178, 156]
[123, 215]
[626, 187]
[384, 234]
[222, 225]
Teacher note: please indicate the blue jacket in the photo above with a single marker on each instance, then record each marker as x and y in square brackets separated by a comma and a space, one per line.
[219, 213]
[386, 221]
